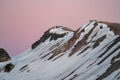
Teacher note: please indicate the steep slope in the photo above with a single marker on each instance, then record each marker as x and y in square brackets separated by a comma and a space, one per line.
[90, 53]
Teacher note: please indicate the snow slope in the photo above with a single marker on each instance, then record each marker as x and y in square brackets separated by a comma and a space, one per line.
[90, 53]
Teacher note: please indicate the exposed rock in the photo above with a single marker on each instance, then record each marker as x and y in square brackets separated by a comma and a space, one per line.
[83, 41]
[9, 67]
[23, 68]
[52, 36]
[4, 55]
[110, 46]
[114, 66]
[90, 53]
[98, 41]
[115, 27]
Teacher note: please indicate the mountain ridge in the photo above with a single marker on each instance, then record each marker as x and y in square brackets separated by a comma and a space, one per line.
[92, 52]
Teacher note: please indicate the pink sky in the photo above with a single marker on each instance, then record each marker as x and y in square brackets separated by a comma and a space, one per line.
[22, 22]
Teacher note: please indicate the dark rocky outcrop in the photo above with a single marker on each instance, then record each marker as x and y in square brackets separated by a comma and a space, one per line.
[98, 41]
[52, 36]
[24, 68]
[4, 55]
[9, 67]
[83, 41]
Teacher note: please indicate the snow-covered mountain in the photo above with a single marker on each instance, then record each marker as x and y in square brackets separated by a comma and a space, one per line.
[90, 53]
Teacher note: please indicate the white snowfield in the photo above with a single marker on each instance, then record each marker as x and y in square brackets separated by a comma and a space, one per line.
[58, 30]
[92, 63]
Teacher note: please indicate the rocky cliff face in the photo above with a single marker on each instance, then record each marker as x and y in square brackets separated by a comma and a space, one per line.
[4, 55]
[90, 53]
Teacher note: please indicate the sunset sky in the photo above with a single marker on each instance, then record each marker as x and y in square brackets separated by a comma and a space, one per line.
[22, 22]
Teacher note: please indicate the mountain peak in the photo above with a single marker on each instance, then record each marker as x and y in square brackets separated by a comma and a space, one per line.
[90, 53]
[53, 34]
[115, 27]
[59, 30]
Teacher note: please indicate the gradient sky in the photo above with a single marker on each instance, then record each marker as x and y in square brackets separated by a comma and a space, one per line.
[22, 22]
